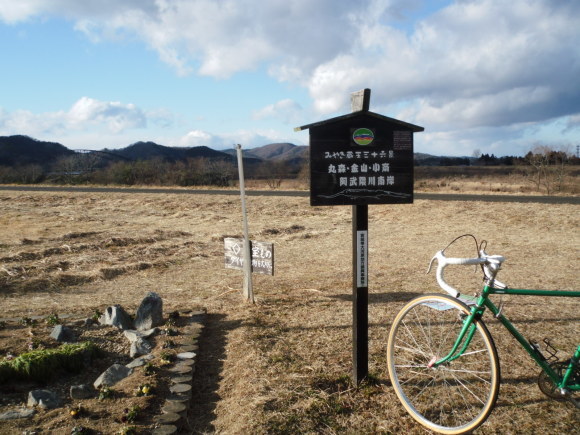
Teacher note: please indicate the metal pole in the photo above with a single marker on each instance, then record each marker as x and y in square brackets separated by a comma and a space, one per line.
[248, 290]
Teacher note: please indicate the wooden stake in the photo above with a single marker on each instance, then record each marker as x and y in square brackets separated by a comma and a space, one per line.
[248, 289]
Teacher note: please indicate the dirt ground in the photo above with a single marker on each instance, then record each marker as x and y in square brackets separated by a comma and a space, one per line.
[283, 365]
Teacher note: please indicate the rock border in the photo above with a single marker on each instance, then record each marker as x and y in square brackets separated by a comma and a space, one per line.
[176, 406]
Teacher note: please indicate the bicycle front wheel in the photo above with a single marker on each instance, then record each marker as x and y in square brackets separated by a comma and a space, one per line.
[454, 397]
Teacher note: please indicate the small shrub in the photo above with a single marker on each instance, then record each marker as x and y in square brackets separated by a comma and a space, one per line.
[169, 344]
[96, 315]
[144, 390]
[35, 343]
[131, 415]
[166, 357]
[149, 369]
[27, 321]
[52, 320]
[170, 322]
[105, 393]
[2, 325]
[76, 411]
[170, 332]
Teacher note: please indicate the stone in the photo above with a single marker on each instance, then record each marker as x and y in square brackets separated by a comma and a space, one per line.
[150, 312]
[186, 355]
[187, 362]
[82, 391]
[17, 413]
[63, 334]
[112, 375]
[181, 369]
[116, 316]
[45, 399]
[181, 379]
[178, 398]
[140, 347]
[180, 388]
[174, 407]
[132, 335]
[141, 361]
[169, 418]
[165, 429]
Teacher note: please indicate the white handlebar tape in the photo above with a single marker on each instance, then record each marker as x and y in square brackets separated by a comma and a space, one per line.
[443, 262]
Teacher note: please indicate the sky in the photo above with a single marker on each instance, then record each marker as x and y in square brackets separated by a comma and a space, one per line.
[481, 76]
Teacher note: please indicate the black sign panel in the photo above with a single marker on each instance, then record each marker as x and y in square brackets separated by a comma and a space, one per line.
[359, 160]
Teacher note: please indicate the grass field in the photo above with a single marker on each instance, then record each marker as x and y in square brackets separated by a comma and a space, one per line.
[283, 365]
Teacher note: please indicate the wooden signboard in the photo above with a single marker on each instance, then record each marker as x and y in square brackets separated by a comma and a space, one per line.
[361, 158]
[262, 255]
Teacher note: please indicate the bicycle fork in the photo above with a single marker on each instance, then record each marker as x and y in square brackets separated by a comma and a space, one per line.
[463, 339]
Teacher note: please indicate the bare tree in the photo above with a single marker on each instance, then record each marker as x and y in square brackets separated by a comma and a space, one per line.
[68, 169]
[548, 167]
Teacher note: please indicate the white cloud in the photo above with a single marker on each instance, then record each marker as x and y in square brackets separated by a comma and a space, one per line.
[573, 123]
[224, 140]
[196, 138]
[288, 110]
[524, 56]
[115, 115]
[85, 115]
[214, 38]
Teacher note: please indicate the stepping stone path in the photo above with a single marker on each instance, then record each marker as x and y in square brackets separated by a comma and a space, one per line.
[177, 404]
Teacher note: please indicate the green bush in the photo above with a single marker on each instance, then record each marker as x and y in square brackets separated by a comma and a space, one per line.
[41, 365]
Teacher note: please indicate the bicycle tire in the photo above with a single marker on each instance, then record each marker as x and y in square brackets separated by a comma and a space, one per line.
[455, 397]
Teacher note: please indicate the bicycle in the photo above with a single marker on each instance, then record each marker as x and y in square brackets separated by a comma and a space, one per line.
[442, 360]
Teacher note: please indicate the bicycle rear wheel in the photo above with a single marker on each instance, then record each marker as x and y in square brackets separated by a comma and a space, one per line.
[455, 397]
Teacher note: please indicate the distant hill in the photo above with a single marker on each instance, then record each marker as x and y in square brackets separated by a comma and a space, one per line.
[151, 150]
[277, 152]
[280, 151]
[205, 152]
[147, 151]
[23, 150]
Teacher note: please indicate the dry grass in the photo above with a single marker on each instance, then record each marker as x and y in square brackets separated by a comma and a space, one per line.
[495, 180]
[283, 365]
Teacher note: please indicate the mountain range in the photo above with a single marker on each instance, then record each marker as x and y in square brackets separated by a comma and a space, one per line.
[23, 150]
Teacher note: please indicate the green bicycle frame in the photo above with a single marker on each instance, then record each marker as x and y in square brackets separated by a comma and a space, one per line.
[483, 302]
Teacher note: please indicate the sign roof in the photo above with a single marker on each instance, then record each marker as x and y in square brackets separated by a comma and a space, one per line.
[414, 128]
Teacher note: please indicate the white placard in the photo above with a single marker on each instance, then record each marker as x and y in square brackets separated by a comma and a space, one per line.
[362, 250]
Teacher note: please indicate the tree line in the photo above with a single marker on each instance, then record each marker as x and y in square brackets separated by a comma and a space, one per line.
[545, 167]
[91, 169]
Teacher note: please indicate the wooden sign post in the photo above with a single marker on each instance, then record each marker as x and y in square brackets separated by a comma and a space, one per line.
[360, 101]
[248, 288]
[359, 159]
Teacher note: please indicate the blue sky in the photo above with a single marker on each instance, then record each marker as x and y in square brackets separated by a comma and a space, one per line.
[480, 76]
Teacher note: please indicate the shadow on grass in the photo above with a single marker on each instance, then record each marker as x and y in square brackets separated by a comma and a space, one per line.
[381, 298]
[208, 369]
